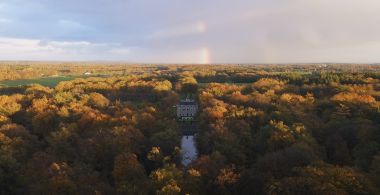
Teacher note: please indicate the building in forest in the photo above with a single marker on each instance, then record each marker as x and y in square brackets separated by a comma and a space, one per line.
[187, 109]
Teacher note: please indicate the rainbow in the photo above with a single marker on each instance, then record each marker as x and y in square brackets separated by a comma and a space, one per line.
[205, 56]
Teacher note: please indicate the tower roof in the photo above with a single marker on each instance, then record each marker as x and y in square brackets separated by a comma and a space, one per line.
[187, 101]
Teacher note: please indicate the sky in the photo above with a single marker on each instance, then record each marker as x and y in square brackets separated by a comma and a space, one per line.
[196, 31]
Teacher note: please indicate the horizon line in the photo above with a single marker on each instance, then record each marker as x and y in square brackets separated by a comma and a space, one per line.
[188, 63]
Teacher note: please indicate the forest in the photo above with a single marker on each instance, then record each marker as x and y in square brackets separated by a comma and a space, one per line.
[263, 129]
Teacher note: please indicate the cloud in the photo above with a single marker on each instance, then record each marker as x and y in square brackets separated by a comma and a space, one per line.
[195, 55]
[120, 51]
[180, 30]
[5, 20]
[71, 25]
[34, 49]
[2, 5]
[190, 32]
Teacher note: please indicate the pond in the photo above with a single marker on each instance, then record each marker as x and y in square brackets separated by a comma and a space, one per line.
[189, 150]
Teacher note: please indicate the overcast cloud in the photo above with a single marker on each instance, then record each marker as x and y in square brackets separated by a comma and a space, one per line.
[196, 31]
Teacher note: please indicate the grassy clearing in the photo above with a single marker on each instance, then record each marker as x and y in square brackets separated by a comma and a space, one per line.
[45, 81]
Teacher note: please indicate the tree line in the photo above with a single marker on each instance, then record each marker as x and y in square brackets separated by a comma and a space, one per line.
[263, 130]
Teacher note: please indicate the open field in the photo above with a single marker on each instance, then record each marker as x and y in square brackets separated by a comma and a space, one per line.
[45, 81]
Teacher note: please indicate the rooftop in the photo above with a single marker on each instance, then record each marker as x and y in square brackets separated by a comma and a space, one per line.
[187, 101]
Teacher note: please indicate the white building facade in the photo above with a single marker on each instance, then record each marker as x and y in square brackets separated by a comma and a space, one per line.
[187, 109]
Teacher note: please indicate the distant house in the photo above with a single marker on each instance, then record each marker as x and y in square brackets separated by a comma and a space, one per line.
[187, 109]
[87, 73]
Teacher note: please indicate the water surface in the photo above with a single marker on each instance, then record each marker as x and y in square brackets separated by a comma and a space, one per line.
[189, 151]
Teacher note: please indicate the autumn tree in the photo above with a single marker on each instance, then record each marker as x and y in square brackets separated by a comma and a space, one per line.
[129, 174]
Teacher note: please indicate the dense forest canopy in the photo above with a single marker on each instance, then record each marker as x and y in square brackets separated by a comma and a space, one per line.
[263, 129]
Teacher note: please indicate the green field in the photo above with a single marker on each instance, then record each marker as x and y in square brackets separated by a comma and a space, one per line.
[45, 81]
